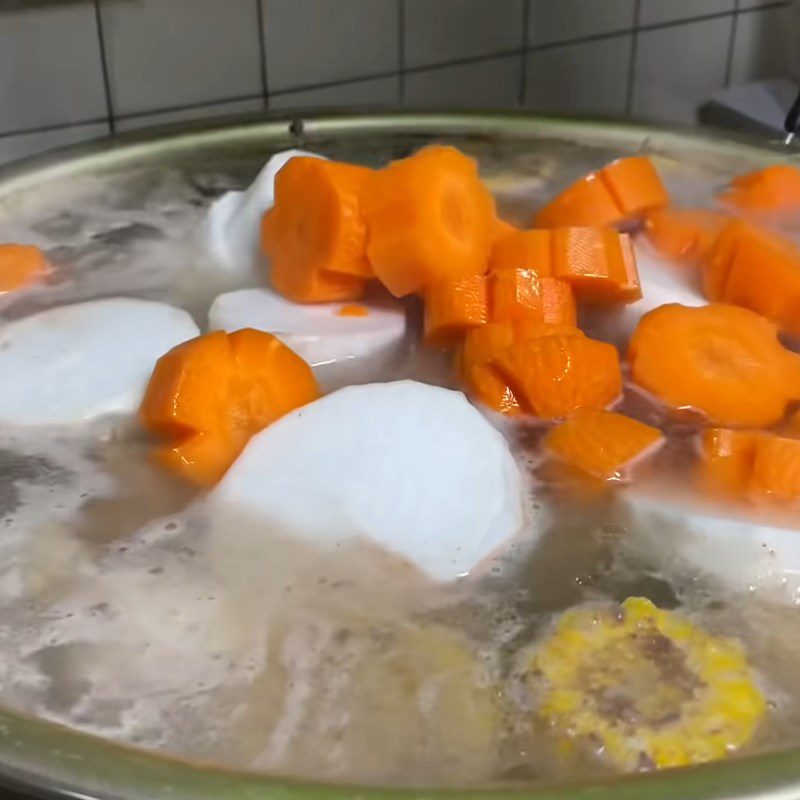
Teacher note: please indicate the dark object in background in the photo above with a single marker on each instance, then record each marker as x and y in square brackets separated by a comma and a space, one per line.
[792, 120]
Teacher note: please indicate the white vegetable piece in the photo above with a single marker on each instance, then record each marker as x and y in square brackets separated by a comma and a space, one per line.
[741, 552]
[412, 468]
[233, 224]
[662, 281]
[76, 362]
[317, 333]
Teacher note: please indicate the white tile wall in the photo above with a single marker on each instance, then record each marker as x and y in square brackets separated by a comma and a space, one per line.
[586, 78]
[50, 69]
[562, 20]
[492, 83]
[64, 77]
[163, 53]
[373, 92]
[671, 88]
[444, 30]
[314, 41]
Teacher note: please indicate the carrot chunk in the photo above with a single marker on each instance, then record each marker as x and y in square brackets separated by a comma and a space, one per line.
[551, 376]
[775, 188]
[476, 366]
[429, 217]
[520, 293]
[531, 249]
[21, 265]
[775, 472]
[684, 234]
[598, 263]
[602, 443]
[719, 359]
[501, 228]
[453, 306]
[211, 394]
[618, 193]
[353, 310]
[726, 460]
[314, 235]
[757, 269]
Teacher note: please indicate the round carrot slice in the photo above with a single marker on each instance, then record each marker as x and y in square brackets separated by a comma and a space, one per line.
[684, 234]
[314, 235]
[775, 188]
[602, 443]
[21, 265]
[719, 359]
[429, 217]
[211, 394]
[551, 376]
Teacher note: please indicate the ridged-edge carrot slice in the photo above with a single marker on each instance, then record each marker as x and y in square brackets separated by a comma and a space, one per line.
[555, 375]
[520, 293]
[190, 388]
[764, 276]
[532, 249]
[621, 191]
[210, 394]
[602, 443]
[598, 263]
[774, 188]
[21, 265]
[453, 306]
[775, 472]
[501, 228]
[315, 236]
[429, 217]
[719, 359]
[684, 234]
[726, 460]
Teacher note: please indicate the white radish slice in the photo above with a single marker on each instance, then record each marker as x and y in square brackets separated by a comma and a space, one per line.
[743, 553]
[233, 224]
[410, 467]
[77, 362]
[662, 281]
[318, 333]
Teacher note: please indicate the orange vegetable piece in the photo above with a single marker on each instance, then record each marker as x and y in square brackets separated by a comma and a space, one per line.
[551, 376]
[521, 293]
[775, 471]
[453, 306]
[618, 193]
[684, 234]
[429, 217]
[531, 249]
[598, 263]
[353, 310]
[601, 443]
[719, 359]
[211, 394]
[315, 236]
[757, 269]
[726, 460]
[482, 345]
[501, 228]
[774, 188]
[20, 266]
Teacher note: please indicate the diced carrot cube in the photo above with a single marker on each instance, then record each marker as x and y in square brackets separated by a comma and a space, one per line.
[21, 265]
[531, 249]
[453, 306]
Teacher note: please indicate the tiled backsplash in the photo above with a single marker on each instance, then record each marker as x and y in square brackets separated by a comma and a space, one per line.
[77, 70]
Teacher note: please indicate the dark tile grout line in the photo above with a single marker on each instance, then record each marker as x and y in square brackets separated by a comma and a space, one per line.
[401, 51]
[731, 45]
[522, 51]
[523, 62]
[262, 50]
[637, 11]
[101, 42]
